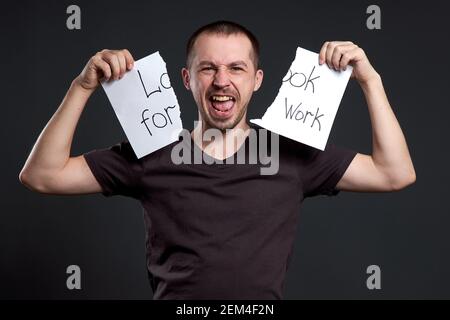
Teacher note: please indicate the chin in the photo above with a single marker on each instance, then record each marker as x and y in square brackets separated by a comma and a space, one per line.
[220, 122]
[223, 125]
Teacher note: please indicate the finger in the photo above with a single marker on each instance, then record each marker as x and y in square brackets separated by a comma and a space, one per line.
[338, 52]
[103, 67]
[122, 63]
[322, 52]
[329, 54]
[330, 50]
[347, 57]
[129, 59]
[113, 63]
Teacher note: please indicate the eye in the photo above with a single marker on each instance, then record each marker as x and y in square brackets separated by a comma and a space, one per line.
[235, 68]
[207, 69]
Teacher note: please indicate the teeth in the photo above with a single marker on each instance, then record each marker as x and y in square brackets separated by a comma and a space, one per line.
[221, 98]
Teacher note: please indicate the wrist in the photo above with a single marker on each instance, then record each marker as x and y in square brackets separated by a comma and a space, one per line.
[373, 80]
[77, 86]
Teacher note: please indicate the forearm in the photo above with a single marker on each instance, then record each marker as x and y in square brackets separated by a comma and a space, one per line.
[389, 148]
[52, 148]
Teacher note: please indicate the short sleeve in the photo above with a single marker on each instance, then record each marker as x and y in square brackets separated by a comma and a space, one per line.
[322, 170]
[116, 169]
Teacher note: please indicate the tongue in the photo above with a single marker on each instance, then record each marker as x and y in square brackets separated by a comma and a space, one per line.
[223, 105]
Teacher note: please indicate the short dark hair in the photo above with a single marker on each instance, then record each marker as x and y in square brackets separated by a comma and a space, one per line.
[226, 28]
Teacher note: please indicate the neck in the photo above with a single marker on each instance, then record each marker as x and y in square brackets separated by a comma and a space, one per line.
[218, 143]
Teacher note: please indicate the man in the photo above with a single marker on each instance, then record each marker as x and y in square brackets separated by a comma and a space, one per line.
[220, 231]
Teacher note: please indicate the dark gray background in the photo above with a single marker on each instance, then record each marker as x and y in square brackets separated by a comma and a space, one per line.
[405, 233]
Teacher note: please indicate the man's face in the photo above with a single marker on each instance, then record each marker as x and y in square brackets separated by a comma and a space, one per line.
[222, 78]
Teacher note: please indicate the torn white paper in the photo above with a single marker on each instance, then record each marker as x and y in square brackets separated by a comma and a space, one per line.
[307, 102]
[146, 106]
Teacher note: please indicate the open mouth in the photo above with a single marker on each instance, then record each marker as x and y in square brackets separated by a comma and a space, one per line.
[222, 105]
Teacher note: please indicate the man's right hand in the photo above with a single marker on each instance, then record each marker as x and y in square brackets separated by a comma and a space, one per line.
[105, 65]
[49, 167]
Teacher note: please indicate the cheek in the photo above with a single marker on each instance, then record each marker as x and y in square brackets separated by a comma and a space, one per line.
[200, 86]
[247, 88]
[199, 93]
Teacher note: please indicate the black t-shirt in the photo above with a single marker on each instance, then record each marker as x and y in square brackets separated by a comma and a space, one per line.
[219, 231]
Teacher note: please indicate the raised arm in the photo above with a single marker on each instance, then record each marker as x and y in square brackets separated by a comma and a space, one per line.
[389, 167]
[50, 168]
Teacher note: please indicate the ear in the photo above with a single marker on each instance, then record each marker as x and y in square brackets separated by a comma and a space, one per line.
[186, 78]
[258, 79]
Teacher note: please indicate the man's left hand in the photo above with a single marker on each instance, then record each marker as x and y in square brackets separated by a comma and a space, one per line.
[339, 54]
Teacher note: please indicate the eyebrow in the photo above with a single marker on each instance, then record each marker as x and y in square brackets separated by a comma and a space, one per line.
[234, 63]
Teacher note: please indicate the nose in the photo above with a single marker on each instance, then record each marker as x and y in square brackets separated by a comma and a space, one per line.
[221, 78]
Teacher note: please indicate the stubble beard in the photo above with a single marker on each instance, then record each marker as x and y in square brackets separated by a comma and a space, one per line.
[223, 125]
